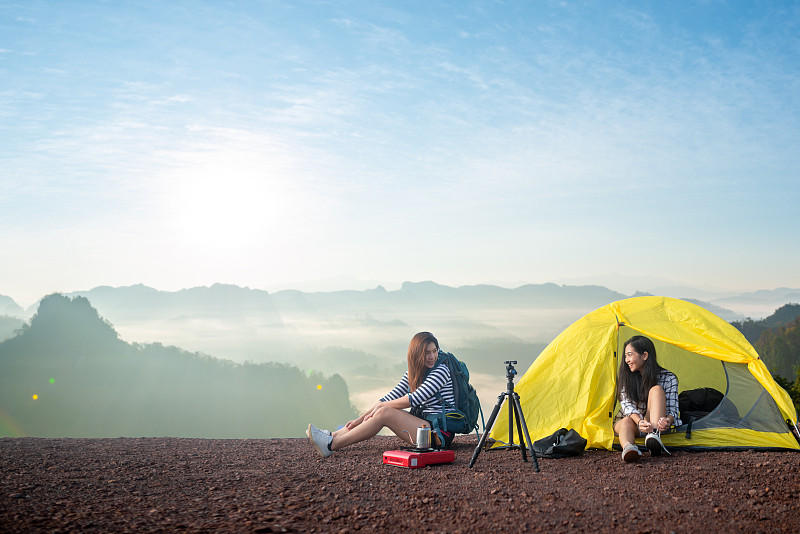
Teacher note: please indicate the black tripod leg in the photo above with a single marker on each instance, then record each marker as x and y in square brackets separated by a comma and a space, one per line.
[518, 415]
[511, 421]
[487, 428]
[521, 419]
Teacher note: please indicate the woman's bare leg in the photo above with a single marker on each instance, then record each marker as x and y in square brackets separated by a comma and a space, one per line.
[343, 430]
[402, 423]
[626, 429]
[656, 405]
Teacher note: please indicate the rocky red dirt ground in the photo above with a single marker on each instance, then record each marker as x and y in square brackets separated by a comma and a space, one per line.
[282, 485]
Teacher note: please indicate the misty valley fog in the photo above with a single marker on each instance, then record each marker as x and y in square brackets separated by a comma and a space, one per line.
[361, 335]
[227, 361]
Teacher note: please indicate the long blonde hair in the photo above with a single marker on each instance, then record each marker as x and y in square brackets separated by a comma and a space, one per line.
[416, 358]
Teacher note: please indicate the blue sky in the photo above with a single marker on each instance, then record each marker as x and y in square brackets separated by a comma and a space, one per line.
[269, 143]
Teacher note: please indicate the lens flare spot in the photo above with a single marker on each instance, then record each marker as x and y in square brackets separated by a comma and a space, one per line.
[52, 380]
[319, 386]
[35, 396]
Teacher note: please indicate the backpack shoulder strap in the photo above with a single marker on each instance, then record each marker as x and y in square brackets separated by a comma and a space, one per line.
[448, 359]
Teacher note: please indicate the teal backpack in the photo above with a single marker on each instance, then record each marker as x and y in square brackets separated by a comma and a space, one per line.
[463, 417]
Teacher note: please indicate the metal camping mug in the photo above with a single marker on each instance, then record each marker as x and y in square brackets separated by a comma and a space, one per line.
[423, 437]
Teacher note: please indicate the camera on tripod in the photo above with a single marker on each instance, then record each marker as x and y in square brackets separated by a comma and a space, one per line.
[510, 371]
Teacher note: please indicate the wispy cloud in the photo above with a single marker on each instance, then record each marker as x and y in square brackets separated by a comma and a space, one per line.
[395, 126]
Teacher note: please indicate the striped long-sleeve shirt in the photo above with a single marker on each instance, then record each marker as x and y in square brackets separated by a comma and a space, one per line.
[669, 383]
[437, 380]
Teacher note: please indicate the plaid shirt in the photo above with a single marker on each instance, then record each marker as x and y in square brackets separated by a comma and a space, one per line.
[669, 383]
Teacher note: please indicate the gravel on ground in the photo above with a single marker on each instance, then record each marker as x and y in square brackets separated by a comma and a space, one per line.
[283, 485]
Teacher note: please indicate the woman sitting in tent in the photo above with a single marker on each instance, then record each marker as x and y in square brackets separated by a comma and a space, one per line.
[418, 389]
[648, 396]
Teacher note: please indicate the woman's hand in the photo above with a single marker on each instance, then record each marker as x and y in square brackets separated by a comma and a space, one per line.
[372, 411]
[664, 424]
[645, 427]
[350, 425]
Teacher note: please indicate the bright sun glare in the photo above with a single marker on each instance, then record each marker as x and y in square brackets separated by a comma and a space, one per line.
[222, 209]
[228, 201]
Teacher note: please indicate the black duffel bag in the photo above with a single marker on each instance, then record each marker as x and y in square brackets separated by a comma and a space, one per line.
[561, 444]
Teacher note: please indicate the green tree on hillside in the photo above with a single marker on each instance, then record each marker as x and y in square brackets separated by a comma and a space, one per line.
[9, 326]
[752, 329]
[792, 388]
[780, 349]
[777, 341]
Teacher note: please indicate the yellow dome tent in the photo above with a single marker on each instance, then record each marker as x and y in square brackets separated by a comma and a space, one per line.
[572, 382]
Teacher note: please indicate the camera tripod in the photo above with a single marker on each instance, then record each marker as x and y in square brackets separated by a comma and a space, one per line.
[514, 410]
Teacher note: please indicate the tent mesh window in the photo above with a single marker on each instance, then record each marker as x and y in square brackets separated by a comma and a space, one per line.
[746, 404]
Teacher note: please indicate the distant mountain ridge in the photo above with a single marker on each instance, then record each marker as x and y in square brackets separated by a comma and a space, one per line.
[201, 301]
[766, 295]
[419, 294]
[235, 303]
[211, 301]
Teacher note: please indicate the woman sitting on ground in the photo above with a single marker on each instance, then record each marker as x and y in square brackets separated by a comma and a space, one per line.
[648, 396]
[417, 390]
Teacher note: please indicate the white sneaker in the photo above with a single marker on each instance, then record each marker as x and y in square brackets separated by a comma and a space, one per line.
[321, 440]
[654, 444]
[308, 431]
[631, 453]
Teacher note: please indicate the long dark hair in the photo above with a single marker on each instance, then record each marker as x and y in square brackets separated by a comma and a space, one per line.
[637, 385]
[416, 358]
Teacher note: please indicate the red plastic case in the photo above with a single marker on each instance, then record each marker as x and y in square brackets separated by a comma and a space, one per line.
[415, 459]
